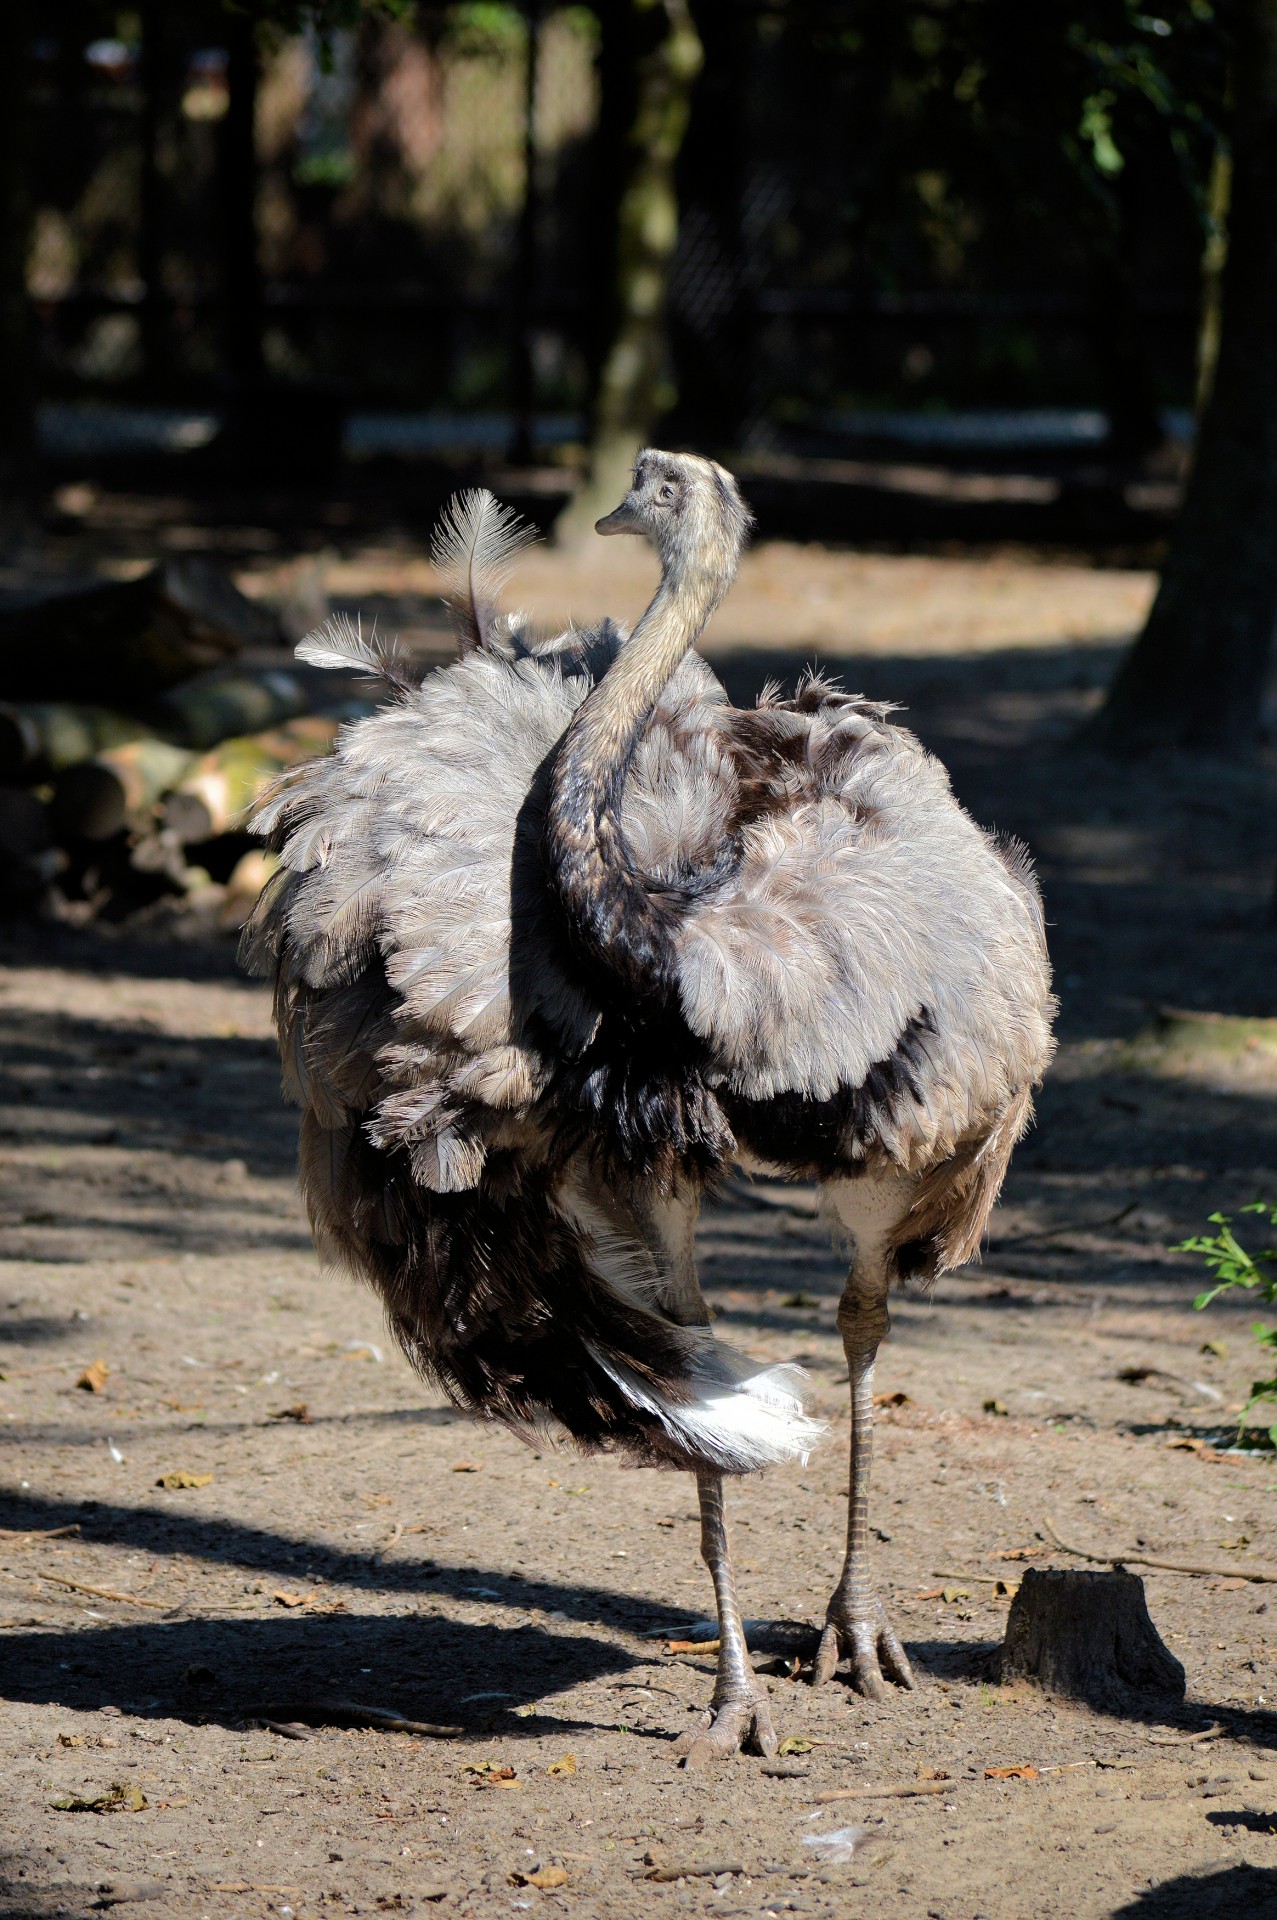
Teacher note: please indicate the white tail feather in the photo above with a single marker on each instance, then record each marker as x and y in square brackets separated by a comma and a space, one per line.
[738, 1425]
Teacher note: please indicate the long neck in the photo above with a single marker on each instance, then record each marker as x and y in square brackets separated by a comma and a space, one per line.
[613, 919]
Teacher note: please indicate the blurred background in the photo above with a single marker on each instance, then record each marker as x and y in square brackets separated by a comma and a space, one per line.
[978, 299]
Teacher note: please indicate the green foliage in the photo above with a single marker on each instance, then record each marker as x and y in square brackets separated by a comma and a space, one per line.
[1231, 1265]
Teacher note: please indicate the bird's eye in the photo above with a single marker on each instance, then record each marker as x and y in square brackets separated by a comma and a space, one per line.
[665, 492]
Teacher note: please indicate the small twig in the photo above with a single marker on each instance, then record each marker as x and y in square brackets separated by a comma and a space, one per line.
[1164, 1566]
[985, 1579]
[1065, 1227]
[1199, 1739]
[104, 1593]
[395, 1537]
[350, 1713]
[912, 1789]
[692, 1646]
[49, 1366]
[695, 1870]
[252, 1886]
[18, 1536]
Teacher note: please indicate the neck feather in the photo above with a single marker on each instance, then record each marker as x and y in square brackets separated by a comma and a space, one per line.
[615, 923]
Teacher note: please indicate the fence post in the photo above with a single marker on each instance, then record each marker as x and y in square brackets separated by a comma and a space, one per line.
[241, 268]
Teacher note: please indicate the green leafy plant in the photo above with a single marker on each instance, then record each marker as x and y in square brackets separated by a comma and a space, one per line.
[1231, 1265]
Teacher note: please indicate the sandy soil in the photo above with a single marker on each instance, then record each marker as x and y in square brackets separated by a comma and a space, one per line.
[148, 1220]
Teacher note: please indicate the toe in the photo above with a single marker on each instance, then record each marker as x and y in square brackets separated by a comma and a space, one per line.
[763, 1734]
[895, 1659]
[693, 1735]
[866, 1675]
[825, 1665]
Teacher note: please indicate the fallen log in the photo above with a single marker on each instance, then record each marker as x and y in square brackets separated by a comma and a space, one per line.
[225, 706]
[118, 788]
[127, 640]
[216, 793]
[24, 825]
[42, 737]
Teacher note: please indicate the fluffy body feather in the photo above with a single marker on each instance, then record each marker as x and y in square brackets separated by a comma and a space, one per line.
[834, 973]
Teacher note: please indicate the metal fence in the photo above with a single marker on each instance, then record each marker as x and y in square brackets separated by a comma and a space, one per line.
[409, 223]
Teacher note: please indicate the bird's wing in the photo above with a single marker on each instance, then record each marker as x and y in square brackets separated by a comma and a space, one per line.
[865, 912]
[411, 873]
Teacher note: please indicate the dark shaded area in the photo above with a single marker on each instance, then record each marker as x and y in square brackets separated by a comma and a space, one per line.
[423, 1668]
[1224, 1895]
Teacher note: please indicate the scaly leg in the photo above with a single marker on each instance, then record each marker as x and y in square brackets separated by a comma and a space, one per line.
[737, 1715]
[855, 1622]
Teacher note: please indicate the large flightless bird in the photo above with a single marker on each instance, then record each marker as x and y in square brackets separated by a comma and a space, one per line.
[558, 936]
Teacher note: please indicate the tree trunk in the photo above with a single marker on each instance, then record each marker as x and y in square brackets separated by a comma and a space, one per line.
[1195, 676]
[632, 388]
[17, 412]
[1087, 1635]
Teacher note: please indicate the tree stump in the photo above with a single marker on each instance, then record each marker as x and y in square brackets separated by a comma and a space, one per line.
[1087, 1635]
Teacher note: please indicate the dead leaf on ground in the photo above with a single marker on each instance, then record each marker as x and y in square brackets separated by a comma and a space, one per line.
[1010, 1773]
[467, 1466]
[565, 1765]
[933, 1773]
[798, 1300]
[491, 1773]
[1007, 1587]
[1239, 1545]
[951, 1595]
[896, 1399]
[795, 1743]
[179, 1479]
[117, 1799]
[299, 1413]
[544, 1877]
[94, 1377]
[691, 1646]
[283, 1599]
[998, 1407]
[1218, 1347]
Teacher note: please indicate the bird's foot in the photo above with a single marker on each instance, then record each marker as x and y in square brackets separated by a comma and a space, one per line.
[739, 1725]
[866, 1638]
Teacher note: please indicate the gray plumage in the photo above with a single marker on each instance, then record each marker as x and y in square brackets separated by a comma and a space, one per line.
[559, 934]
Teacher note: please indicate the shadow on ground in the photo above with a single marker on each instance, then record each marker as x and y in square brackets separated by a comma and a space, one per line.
[1233, 1893]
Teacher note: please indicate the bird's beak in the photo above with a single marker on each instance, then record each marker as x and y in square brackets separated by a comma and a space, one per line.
[623, 519]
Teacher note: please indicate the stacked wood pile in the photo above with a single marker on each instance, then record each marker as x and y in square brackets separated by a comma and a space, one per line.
[138, 726]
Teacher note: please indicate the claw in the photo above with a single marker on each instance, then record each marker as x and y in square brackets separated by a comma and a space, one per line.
[738, 1726]
[872, 1647]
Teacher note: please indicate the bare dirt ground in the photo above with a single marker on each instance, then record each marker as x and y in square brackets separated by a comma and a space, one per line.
[148, 1221]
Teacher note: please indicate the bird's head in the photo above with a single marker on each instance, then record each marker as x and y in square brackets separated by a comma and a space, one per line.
[690, 509]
